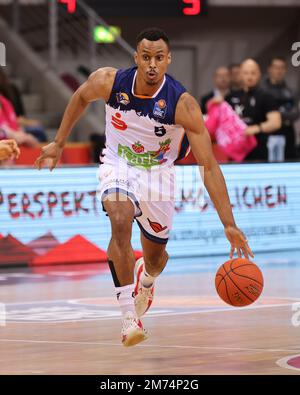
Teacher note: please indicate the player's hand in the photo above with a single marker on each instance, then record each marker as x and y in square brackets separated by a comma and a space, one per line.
[238, 242]
[9, 149]
[51, 154]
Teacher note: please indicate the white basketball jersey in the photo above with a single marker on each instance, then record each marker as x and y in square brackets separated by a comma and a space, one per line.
[141, 130]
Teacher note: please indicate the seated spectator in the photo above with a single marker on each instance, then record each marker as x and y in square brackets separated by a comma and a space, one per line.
[12, 93]
[235, 77]
[281, 144]
[9, 150]
[257, 109]
[221, 87]
[9, 127]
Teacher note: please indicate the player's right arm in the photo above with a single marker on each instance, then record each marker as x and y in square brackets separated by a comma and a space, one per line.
[189, 116]
[98, 86]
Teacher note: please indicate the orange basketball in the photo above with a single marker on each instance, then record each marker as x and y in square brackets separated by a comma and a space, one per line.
[239, 282]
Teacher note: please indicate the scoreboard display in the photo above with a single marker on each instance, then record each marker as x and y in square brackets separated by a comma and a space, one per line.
[144, 8]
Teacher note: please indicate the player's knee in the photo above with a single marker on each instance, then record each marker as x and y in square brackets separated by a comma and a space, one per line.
[121, 227]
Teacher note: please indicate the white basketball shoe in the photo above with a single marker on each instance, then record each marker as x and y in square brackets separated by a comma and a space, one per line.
[143, 297]
[132, 330]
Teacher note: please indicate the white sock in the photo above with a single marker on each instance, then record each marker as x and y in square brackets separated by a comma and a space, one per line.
[125, 296]
[146, 279]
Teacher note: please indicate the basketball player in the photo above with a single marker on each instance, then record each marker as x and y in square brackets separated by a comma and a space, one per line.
[150, 121]
[9, 149]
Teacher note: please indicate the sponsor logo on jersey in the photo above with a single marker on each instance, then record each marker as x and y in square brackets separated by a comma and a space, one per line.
[147, 159]
[157, 227]
[160, 131]
[123, 98]
[160, 108]
[117, 122]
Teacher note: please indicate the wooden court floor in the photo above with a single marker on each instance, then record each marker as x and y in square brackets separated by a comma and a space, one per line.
[64, 320]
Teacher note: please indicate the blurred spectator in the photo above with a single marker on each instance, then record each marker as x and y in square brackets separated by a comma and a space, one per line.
[12, 93]
[256, 107]
[235, 77]
[228, 130]
[221, 87]
[9, 127]
[281, 145]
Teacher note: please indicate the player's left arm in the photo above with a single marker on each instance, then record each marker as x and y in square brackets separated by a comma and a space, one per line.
[188, 114]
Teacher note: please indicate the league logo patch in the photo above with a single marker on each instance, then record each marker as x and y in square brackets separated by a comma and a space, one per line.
[123, 98]
[160, 108]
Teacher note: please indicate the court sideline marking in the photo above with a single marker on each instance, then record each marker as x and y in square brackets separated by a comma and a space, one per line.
[153, 315]
[147, 346]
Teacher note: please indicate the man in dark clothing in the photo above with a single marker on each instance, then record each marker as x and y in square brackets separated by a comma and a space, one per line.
[257, 108]
[276, 85]
[235, 76]
[221, 87]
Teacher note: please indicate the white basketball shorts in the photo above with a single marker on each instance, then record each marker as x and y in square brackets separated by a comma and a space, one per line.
[152, 192]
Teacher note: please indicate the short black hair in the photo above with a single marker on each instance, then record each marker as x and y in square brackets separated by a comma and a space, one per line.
[153, 34]
[281, 58]
[233, 65]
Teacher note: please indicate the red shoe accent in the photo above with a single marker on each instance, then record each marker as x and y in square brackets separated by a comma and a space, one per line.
[138, 275]
[139, 288]
[140, 324]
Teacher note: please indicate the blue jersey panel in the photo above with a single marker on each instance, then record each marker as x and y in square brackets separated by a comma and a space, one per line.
[161, 108]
